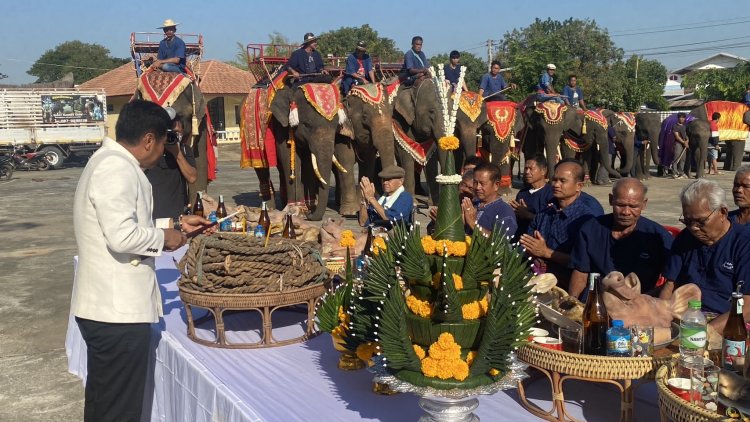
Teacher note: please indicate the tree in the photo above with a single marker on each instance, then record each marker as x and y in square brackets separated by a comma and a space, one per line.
[342, 41]
[240, 56]
[475, 67]
[644, 83]
[575, 46]
[85, 60]
[719, 84]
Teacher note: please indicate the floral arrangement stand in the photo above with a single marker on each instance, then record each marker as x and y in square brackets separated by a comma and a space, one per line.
[559, 366]
[673, 408]
[232, 272]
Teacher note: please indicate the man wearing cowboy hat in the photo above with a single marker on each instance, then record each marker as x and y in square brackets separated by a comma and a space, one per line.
[396, 204]
[306, 64]
[544, 89]
[171, 55]
[359, 68]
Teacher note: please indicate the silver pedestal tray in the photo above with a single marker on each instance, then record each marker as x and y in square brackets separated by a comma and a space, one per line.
[456, 405]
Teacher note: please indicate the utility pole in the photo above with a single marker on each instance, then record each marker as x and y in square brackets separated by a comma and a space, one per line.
[489, 55]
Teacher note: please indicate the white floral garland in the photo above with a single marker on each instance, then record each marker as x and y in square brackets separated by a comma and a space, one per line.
[449, 115]
[453, 179]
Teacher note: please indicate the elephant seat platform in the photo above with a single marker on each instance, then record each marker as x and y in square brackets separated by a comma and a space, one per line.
[233, 273]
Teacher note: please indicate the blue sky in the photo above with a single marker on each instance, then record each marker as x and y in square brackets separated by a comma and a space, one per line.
[29, 27]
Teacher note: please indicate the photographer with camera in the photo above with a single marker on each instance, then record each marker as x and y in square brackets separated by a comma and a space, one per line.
[176, 168]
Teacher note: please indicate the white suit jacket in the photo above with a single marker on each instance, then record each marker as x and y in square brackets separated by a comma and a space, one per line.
[115, 279]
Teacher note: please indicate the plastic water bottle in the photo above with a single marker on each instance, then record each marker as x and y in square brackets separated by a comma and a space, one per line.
[212, 217]
[618, 340]
[360, 265]
[259, 231]
[693, 333]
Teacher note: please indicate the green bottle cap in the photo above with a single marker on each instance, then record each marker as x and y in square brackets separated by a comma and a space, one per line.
[694, 304]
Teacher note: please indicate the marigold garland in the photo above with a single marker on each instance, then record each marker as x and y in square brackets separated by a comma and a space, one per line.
[378, 244]
[448, 143]
[444, 360]
[438, 247]
[419, 307]
[347, 239]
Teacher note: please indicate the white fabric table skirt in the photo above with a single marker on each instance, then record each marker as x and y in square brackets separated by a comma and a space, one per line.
[301, 382]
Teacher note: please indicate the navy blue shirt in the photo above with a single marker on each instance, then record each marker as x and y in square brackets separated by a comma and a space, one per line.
[560, 228]
[172, 49]
[352, 67]
[571, 92]
[535, 202]
[304, 62]
[716, 269]
[746, 98]
[399, 211]
[452, 75]
[644, 251]
[497, 212]
[415, 60]
[492, 85]
[545, 83]
[734, 215]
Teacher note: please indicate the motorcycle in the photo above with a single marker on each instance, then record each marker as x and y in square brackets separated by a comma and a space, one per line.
[6, 167]
[29, 160]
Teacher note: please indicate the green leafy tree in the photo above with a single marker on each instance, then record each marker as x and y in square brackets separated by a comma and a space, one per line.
[643, 81]
[719, 84]
[475, 67]
[280, 45]
[575, 46]
[342, 41]
[84, 60]
[240, 56]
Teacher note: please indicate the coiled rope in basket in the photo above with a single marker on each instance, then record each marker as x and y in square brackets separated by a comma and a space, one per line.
[234, 263]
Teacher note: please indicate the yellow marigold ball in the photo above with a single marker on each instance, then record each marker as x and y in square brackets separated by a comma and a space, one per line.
[458, 282]
[459, 248]
[378, 244]
[446, 340]
[430, 367]
[438, 353]
[441, 246]
[339, 332]
[445, 371]
[460, 370]
[494, 372]
[419, 307]
[428, 244]
[468, 240]
[470, 357]
[343, 317]
[470, 310]
[347, 239]
[448, 143]
[419, 350]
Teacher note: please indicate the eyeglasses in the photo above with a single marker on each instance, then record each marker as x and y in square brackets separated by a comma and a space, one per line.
[173, 137]
[697, 222]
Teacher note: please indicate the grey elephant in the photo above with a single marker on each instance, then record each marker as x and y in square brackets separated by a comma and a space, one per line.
[305, 164]
[623, 124]
[647, 128]
[731, 131]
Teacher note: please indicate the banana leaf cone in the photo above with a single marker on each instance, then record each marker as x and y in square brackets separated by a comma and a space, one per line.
[449, 224]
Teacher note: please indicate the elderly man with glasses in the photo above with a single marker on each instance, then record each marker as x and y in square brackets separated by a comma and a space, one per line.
[712, 252]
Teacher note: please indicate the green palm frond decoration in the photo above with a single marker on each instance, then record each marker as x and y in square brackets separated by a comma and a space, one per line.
[478, 265]
[448, 305]
[407, 245]
[511, 314]
[327, 311]
[392, 333]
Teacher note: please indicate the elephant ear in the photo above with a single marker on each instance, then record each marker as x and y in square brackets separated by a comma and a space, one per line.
[353, 112]
[280, 106]
[404, 105]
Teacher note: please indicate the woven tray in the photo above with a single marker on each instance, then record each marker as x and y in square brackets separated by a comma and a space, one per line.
[676, 409]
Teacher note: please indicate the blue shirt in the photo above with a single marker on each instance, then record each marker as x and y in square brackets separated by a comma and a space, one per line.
[570, 92]
[734, 215]
[399, 211]
[542, 198]
[545, 83]
[452, 75]
[716, 269]
[644, 251]
[497, 212]
[352, 65]
[304, 62]
[172, 49]
[414, 60]
[492, 84]
[746, 98]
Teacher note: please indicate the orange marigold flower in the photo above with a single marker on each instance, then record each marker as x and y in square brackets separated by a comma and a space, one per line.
[378, 244]
[366, 351]
[470, 310]
[460, 370]
[459, 248]
[419, 307]
[448, 143]
[468, 240]
[470, 357]
[347, 239]
[458, 282]
[430, 367]
[445, 371]
[494, 372]
[428, 244]
[419, 350]
[484, 306]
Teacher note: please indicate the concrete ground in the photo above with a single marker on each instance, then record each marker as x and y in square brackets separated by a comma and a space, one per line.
[36, 257]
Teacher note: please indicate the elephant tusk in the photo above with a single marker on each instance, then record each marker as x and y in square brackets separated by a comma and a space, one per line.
[315, 169]
[342, 116]
[338, 165]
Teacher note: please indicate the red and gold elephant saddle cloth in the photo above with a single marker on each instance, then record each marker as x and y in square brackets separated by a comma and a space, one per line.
[256, 138]
[392, 90]
[628, 119]
[162, 88]
[552, 112]
[501, 116]
[471, 104]
[597, 117]
[420, 151]
[369, 93]
[323, 97]
[731, 125]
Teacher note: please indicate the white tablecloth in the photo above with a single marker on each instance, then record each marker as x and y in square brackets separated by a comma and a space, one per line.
[301, 382]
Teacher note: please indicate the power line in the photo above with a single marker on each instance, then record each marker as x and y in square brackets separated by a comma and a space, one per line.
[691, 25]
[58, 65]
[680, 29]
[713, 48]
[684, 45]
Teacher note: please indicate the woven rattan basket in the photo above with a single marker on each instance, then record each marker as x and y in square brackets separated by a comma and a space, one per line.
[673, 408]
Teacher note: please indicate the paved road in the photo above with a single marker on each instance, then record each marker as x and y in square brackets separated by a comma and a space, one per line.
[36, 254]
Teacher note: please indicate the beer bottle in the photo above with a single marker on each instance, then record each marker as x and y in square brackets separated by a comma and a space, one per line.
[288, 232]
[367, 249]
[595, 320]
[734, 345]
[198, 206]
[264, 220]
[221, 212]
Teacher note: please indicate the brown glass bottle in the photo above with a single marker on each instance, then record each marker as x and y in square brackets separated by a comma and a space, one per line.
[288, 232]
[221, 212]
[264, 220]
[367, 249]
[735, 342]
[595, 320]
[198, 206]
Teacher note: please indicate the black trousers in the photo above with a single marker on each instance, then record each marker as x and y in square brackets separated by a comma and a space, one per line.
[118, 359]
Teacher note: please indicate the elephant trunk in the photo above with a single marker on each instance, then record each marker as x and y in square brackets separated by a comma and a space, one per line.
[628, 154]
[604, 158]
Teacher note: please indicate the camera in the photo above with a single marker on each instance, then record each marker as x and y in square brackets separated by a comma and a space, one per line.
[173, 137]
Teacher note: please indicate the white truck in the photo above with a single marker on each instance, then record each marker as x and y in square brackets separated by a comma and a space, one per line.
[58, 122]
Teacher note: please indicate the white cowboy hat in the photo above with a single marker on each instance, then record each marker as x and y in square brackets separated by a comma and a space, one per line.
[167, 23]
[551, 66]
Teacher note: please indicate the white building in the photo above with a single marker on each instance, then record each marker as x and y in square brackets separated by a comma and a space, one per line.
[677, 96]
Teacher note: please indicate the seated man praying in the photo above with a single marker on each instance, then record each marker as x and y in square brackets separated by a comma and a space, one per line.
[395, 205]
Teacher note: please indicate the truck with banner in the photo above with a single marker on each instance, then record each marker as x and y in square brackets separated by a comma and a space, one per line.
[57, 122]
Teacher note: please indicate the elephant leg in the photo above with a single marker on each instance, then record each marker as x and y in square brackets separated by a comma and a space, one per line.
[407, 163]
[201, 165]
[345, 184]
[266, 187]
[735, 153]
[501, 157]
[551, 144]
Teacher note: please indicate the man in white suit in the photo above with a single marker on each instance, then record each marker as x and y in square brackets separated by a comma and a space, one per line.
[115, 294]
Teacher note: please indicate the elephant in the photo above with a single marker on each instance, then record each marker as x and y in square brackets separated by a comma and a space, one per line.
[190, 105]
[735, 143]
[647, 127]
[623, 124]
[310, 157]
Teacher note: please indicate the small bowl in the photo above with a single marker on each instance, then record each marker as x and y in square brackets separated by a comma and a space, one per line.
[548, 342]
[537, 332]
[681, 387]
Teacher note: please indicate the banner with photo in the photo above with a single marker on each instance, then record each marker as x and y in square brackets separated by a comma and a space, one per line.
[66, 108]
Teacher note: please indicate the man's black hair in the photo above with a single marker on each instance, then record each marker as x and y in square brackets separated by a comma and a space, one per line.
[454, 55]
[416, 38]
[496, 62]
[681, 114]
[138, 118]
[571, 76]
[474, 160]
[492, 170]
[540, 161]
[578, 172]
[716, 116]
